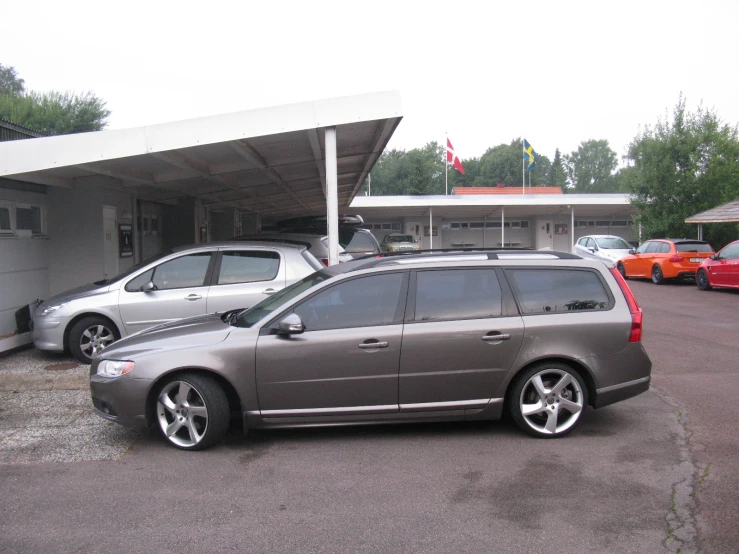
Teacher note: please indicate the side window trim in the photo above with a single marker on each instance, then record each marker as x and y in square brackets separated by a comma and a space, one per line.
[212, 279]
[206, 281]
[517, 294]
[271, 326]
[508, 307]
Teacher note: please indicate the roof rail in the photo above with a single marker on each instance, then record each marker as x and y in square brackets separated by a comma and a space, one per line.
[492, 253]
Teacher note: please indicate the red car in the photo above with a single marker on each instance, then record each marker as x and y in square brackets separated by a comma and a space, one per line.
[720, 270]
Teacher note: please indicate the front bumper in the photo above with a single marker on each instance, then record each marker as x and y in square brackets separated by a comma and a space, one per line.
[120, 399]
[48, 333]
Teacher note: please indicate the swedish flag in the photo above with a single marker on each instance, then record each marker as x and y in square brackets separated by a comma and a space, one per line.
[529, 155]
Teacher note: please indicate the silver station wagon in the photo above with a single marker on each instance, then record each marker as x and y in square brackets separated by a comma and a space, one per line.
[186, 282]
[395, 338]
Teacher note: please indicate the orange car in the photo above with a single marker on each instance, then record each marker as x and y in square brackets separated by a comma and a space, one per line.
[662, 259]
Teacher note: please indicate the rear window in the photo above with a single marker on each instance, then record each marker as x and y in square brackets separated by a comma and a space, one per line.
[544, 291]
[693, 247]
[356, 242]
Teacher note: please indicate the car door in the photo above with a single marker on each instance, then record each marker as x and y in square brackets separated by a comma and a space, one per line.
[244, 277]
[461, 337]
[638, 266]
[346, 360]
[581, 248]
[726, 267]
[180, 290]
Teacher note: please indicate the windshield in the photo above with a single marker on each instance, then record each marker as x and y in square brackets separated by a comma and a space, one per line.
[135, 268]
[399, 238]
[249, 317]
[613, 243]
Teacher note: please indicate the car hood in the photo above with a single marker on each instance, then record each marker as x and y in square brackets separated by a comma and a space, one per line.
[184, 333]
[614, 254]
[90, 289]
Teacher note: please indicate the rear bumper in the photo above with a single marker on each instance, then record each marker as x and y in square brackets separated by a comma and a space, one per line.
[622, 391]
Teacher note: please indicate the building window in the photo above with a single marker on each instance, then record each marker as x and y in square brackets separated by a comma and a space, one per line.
[6, 219]
[22, 220]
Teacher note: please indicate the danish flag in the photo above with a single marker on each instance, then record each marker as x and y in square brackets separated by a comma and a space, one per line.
[451, 157]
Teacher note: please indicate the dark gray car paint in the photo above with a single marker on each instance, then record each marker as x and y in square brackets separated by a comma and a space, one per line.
[303, 379]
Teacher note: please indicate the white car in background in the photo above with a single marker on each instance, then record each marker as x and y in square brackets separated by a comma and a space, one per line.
[608, 248]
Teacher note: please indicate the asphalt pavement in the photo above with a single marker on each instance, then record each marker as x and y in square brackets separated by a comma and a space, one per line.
[654, 473]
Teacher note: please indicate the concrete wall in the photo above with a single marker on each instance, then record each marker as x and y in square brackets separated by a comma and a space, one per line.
[75, 228]
[181, 222]
[150, 243]
[24, 268]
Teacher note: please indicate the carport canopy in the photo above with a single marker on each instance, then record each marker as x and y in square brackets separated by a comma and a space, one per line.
[726, 213]
[296, 159]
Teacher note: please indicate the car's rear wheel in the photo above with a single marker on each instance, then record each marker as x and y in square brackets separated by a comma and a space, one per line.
[658, 277]
[701, 279]
[89, 336]
[547, 400]
[622, 270]
[192, 411]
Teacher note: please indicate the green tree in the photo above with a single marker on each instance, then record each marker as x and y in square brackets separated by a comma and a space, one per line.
[55, 113]
[681, 167]
[590, 168]
[418, 171]
[557, 176]
[10, 83]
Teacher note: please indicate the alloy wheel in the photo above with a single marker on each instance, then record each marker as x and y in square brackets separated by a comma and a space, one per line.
[657, 276]
[701, 280]
[182, 414]
[94, 339]
[551, 401]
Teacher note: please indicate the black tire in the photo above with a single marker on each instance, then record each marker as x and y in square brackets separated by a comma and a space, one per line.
[658, 277]
[522, 390]
[82, 343]
[622, 270]
[206, 395]
[701, 279]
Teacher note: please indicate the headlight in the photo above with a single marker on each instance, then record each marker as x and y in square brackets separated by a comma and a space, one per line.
[114, 368]
[50, 309]
[390, 249]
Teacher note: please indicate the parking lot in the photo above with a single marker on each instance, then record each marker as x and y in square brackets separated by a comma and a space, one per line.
[656, 472]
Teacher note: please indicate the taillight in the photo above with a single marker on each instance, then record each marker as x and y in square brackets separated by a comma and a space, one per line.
[324, 261]
[675, 258]
[636, 313]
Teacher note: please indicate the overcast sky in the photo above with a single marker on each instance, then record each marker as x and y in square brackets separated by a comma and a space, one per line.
[556, 73]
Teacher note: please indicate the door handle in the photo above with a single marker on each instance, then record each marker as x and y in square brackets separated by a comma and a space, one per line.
[269, 291]
[498, 336]
[192, 297]
[376, 344]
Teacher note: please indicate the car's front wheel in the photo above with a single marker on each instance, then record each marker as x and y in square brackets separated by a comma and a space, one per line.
[622, 270]
[547, 399]
[701, 279]
[658, 277]
[89, 336]
[192, 411]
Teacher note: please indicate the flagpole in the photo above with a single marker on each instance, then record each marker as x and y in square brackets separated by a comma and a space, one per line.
[523, 169]
[446, 165]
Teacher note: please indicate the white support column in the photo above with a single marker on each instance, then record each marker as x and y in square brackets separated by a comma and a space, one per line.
[135, 236]
[700, 231]
[502, 227]
[431, 229]
[332, 196]
[572, 228]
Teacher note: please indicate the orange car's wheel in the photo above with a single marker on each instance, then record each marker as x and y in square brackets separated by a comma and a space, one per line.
[657, 277]
[622, 270]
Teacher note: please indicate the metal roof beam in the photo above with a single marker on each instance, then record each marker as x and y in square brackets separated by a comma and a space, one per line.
[382, 135]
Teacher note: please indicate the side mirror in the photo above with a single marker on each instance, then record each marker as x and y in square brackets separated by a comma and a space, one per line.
[291, 324]
[632, 251]
[148, 287]
[591, 250]
[713, 256]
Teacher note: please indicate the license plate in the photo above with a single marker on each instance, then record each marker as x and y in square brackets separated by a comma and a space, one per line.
[696, 260]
